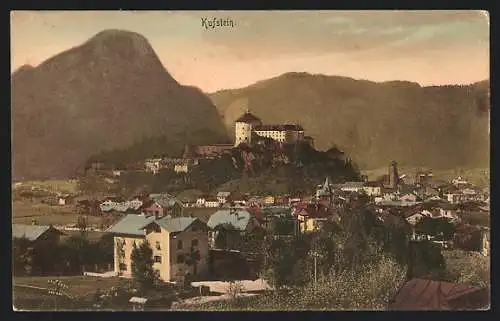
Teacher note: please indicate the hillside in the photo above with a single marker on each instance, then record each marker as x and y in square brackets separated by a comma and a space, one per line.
[438, 127]
[108, 93]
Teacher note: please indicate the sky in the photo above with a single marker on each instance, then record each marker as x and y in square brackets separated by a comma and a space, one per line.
[428, 47]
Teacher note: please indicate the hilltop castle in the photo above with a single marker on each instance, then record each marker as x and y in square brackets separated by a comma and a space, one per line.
[249, 125]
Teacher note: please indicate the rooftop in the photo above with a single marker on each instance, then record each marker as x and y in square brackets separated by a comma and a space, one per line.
[352, 185]
[133, 224]
[420, 294]
[279, 127]
[248, 118]
[237, 217]
[31, 232]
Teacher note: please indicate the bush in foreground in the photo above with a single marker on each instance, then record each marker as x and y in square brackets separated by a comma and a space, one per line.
[368, 288]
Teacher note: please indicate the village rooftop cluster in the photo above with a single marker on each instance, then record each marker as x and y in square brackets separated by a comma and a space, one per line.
[174, 235]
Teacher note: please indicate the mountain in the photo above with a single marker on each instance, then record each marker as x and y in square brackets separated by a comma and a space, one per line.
[108, 93]
[374, 123]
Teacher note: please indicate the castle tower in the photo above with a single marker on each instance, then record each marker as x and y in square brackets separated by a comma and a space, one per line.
[243, 128]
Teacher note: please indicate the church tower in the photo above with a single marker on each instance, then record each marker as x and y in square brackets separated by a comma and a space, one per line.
[244, 127]
[393, 175]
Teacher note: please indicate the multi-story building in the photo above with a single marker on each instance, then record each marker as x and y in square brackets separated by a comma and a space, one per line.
[288, 133]
[248, 125]
[173, 241]
[152, 165]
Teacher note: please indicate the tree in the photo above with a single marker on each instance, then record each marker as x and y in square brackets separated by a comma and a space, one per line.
[22, 252]
[227, 237]
[285, 262]
[74, 254]
[192, 259]
[283, 225]
[143, 273]
[82, 225]
[439, 227]
[426, 260]
[323, 252]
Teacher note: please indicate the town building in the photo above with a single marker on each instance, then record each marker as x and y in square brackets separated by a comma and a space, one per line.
[162, 205]
[325, 191]
[200, 201]
[212, 202]
[222, 197]
[311, 216]
[181, 168]
[372, 188]
[353, 187]
[173, 241]
[236, 219]
[153, 165]
[37, 233]
[269, 200]
[465, 195]
[248, 125]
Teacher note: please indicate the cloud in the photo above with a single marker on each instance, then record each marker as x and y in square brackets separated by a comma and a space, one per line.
[423, 46]
[278, 34]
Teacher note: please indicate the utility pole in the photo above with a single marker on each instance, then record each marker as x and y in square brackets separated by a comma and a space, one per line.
[315, 270]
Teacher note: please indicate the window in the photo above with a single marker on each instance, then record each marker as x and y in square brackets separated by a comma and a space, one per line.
[179, 245]
[194, 229]
[180, 259]
[123, 267]
[158, 247]
[157, 259]
[194, 242]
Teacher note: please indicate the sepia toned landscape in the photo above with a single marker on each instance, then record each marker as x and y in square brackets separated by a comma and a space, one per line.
[231, 160]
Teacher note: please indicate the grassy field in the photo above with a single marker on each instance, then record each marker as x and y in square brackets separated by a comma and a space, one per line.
[63, 186]
[23, 212]
[77, 285]
[31, 293]
[477, 176]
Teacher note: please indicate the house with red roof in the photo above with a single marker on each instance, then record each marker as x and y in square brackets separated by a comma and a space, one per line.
[420, 294]
[311, 216]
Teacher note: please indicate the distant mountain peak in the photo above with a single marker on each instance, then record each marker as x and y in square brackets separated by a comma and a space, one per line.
[108, 93]
[117, 33]
[23, 68]
[119, 39]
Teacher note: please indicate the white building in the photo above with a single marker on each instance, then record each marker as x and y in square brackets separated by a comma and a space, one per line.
[181, 168]
[200, 202]
[249, 124]
[152, 165]
[243, 128]
[372, 188]
[222, 197]
[288, 133]
[212, 203]
[354, 187]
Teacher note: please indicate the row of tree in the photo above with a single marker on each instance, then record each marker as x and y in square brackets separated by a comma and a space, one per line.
[66, 258]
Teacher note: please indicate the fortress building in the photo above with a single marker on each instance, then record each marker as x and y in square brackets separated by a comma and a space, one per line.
[249, 125]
